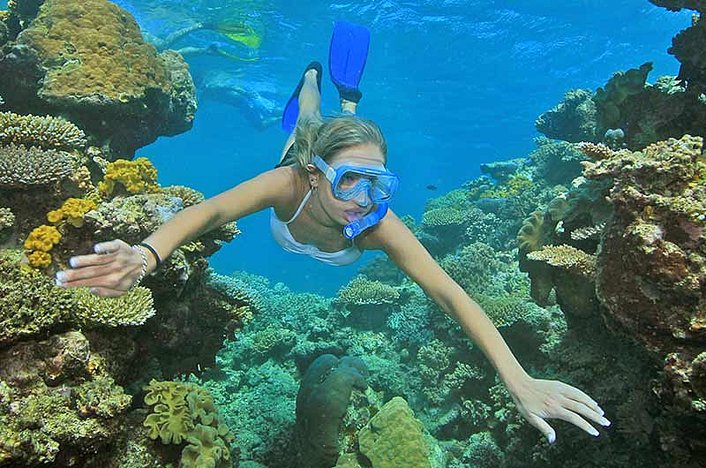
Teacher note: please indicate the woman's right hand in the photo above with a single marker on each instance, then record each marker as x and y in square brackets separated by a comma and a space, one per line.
[110, 271]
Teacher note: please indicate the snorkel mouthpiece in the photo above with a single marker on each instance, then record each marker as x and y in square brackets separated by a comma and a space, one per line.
[351, 230]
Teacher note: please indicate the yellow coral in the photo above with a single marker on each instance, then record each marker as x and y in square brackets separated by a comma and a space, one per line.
[39, 259]
[42, 238]
[72, 211]
[138, 176]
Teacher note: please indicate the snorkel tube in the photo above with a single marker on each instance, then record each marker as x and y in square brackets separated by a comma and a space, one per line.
[351, 230]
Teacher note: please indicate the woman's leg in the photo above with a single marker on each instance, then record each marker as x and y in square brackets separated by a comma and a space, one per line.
[348, 107]
[309, 105]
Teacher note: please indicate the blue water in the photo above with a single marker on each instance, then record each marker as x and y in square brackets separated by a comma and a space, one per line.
[452, 84]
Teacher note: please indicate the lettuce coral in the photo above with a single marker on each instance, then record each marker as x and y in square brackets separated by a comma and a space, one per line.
[46, 132]
[22, 167]
[185, 412]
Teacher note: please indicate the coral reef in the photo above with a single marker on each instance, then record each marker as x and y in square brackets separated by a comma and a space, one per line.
[573, 120]
[55, 407]
[88, 62]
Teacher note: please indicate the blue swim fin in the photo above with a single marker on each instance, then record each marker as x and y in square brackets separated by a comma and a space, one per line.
[291, 110]
[347, 55]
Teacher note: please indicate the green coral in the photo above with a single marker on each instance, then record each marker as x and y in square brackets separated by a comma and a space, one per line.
[394, 438]
[186, 413]
[132, 308]
[362, 291]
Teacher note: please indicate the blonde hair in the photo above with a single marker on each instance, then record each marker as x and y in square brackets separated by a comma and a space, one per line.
[314, 136]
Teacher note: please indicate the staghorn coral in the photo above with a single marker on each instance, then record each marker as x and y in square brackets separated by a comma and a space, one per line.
[46, 132]
[132, 308]
[566, 258]
[574, 119]
[24, 168]
[138, 176]
[72, 211]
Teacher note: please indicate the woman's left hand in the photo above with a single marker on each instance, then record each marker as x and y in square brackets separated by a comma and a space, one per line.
[539, 399]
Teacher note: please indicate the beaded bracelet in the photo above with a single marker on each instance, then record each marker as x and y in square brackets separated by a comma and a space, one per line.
[153, 251]
[143, 272]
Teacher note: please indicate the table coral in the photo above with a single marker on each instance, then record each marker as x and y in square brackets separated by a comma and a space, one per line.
[46, 132]
[361, 291]
[22, 167]
[567, 258]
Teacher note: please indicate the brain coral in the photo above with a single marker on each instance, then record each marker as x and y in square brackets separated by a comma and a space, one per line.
[21, 167]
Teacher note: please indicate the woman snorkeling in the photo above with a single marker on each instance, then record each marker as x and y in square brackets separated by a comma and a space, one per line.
[329, 198]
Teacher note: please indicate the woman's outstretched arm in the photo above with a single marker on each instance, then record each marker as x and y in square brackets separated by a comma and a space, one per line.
[536, 399]
[115, 265]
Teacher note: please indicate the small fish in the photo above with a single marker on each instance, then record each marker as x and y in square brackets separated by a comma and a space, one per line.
[432, 187]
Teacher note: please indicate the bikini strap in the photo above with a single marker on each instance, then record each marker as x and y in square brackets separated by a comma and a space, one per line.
[301, 207]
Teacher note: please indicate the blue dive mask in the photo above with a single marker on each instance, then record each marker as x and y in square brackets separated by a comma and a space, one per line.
[365, 185]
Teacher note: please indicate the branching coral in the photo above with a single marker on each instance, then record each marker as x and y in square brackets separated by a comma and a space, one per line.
[22, 167]
[138, 176]
[595, 151]
[46, 132]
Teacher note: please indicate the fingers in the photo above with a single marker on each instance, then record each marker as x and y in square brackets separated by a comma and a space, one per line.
[586, 412]
[543, 427]
[576, 420]
[107, 292]
[109, 246]
[576, 394]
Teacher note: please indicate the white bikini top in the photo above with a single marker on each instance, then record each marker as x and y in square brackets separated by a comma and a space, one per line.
[284, 238]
